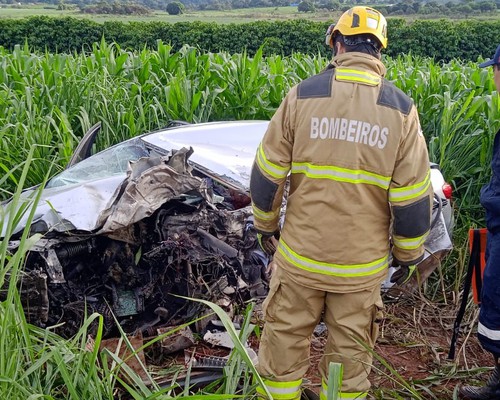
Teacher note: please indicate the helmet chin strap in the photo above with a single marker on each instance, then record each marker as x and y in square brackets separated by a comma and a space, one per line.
[365, 41]
[335, 48]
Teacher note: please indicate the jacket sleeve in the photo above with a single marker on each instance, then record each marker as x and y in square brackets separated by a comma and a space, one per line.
[272, 165]
[411, 195]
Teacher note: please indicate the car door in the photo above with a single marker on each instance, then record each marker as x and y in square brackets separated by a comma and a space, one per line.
[84, 148]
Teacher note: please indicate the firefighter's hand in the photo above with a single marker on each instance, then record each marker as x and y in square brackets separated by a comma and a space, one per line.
[271, 268]
[402, 274]
[268, 242]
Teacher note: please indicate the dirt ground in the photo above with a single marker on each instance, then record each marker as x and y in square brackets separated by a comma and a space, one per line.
[411, 351]
[413, 348]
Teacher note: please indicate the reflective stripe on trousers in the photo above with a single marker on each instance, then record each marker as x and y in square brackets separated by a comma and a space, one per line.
[352, 396]
[292, 311]
[282, 390]
[489, 315]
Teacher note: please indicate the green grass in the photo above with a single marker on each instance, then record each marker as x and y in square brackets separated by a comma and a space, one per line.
[222, 17]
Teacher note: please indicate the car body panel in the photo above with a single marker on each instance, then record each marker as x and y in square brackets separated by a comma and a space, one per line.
[227, 149]
[438, 182]
[84, 148]
[71, 207]
[150, 183]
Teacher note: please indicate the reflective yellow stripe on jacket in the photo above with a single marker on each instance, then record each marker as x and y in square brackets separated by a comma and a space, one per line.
[410, 192]
[411, 243]
[266, 216]
[268, 167]
[341, 174]
[343, 270]
[282, 390]
[355, 75]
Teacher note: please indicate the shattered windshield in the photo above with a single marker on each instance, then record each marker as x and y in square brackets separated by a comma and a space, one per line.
[107, 163]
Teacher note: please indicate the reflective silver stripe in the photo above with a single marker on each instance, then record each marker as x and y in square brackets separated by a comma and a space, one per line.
[344, 74]
[343, 270]
[272, 169]
[341, 174]
[489, 333]
[278, 396]
[410, 244]
[283, 384]
[282, 390]
[323, 395]
[266, 216]
[410, 192]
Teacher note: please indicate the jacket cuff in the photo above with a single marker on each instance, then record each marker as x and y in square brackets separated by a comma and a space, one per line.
[396, 261]
[264, 233]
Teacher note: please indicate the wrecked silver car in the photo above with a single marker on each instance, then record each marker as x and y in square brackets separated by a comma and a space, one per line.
[132, 230]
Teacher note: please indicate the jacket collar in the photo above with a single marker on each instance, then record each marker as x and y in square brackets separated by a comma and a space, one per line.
[360, 61]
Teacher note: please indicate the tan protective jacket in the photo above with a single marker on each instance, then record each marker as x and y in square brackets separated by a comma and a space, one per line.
[351, 144]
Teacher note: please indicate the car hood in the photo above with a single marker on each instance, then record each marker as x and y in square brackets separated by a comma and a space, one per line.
[66, 208]
[223, 151]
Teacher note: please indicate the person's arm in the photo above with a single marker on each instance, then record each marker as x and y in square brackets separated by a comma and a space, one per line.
[271, 167]
[411, 195]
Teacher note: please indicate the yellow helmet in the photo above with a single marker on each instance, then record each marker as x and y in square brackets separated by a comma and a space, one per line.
[360, 20]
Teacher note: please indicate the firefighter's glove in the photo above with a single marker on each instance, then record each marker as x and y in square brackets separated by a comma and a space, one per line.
[268, 242]
[402, 274]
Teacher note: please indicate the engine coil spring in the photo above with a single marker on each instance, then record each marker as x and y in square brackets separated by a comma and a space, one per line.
[210, 362]
[73, 249]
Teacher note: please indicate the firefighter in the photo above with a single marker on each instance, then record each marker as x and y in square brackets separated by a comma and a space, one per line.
[489, 315]
[350, 144]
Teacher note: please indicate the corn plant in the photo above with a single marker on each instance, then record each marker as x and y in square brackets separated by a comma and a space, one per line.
[48, 101]
[458, 108]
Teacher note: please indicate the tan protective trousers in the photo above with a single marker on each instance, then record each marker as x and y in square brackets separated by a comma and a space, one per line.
[292, 311]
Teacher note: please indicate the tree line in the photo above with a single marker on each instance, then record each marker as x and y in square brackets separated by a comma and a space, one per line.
[441, 40]
[460, 8]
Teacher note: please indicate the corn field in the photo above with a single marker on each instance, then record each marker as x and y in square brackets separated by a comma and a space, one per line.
[48, 101]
